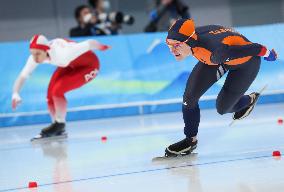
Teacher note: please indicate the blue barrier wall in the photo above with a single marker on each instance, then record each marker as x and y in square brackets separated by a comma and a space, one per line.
[138, 68]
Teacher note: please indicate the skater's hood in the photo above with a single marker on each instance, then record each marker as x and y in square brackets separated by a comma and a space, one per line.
[39, 42]
[183, 30]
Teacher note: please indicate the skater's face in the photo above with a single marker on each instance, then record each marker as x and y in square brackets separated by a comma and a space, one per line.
[179, 49]
[39, 55]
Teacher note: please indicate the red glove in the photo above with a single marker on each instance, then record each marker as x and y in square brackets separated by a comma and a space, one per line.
[97, 45]
[103, 47]
[16, 100]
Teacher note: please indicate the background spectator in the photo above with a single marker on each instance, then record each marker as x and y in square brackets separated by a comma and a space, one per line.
[100, 6]
[166, 12]
[109, 21]
[100, 10]
[86, 23]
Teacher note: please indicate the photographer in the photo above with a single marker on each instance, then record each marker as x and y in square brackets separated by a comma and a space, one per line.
[86, 23]
[111, 21]
[165, 14]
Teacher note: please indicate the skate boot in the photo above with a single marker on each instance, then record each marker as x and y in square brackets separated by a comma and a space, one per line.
[55, 129]
[183, 147]
[246, 111]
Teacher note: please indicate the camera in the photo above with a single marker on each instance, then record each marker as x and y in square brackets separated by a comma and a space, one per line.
[116, 17]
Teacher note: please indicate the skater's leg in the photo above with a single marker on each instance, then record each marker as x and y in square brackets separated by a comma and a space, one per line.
[231, 98]
[64, 80]
[191, 117]
[51, 109]
[71, 80]
[243, 102]
[59, 73]
[201, 79]
[81, 71]
[60, 105]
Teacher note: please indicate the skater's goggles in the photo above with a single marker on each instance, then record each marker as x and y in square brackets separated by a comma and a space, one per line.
[175, 45]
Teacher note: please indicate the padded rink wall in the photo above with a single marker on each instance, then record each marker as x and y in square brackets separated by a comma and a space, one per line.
[138, 76]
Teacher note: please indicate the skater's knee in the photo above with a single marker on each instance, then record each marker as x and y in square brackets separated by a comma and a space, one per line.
[189, 102]
[226, 100]
[222, 108]
[55, 91]
[49, 98]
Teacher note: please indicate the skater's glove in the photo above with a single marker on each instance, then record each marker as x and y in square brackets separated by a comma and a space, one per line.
[16, 100]
[104, 47]
[96, 45]
[270, 55]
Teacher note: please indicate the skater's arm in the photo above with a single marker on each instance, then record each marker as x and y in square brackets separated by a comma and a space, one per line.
[16, 98]
[28, 68]
[254, 49]
[25, 73]
[226, 53]
[18, 84]
[77, 49]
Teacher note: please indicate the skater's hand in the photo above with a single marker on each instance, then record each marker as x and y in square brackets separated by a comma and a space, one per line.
[272, 56]
[97, 45]
[104, 47]
[16, 100]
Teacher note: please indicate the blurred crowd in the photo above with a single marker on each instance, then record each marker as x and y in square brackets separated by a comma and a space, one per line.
[97, 18]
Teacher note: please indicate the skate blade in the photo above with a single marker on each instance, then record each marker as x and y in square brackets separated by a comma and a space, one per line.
[179, 157]
[39, 138]
[260, 92]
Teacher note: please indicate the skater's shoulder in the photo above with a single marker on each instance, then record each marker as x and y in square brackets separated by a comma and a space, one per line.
[216, 30]
[61, 42]
[207, 28]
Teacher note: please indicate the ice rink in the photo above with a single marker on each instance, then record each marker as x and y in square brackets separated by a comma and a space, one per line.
[236, 159]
